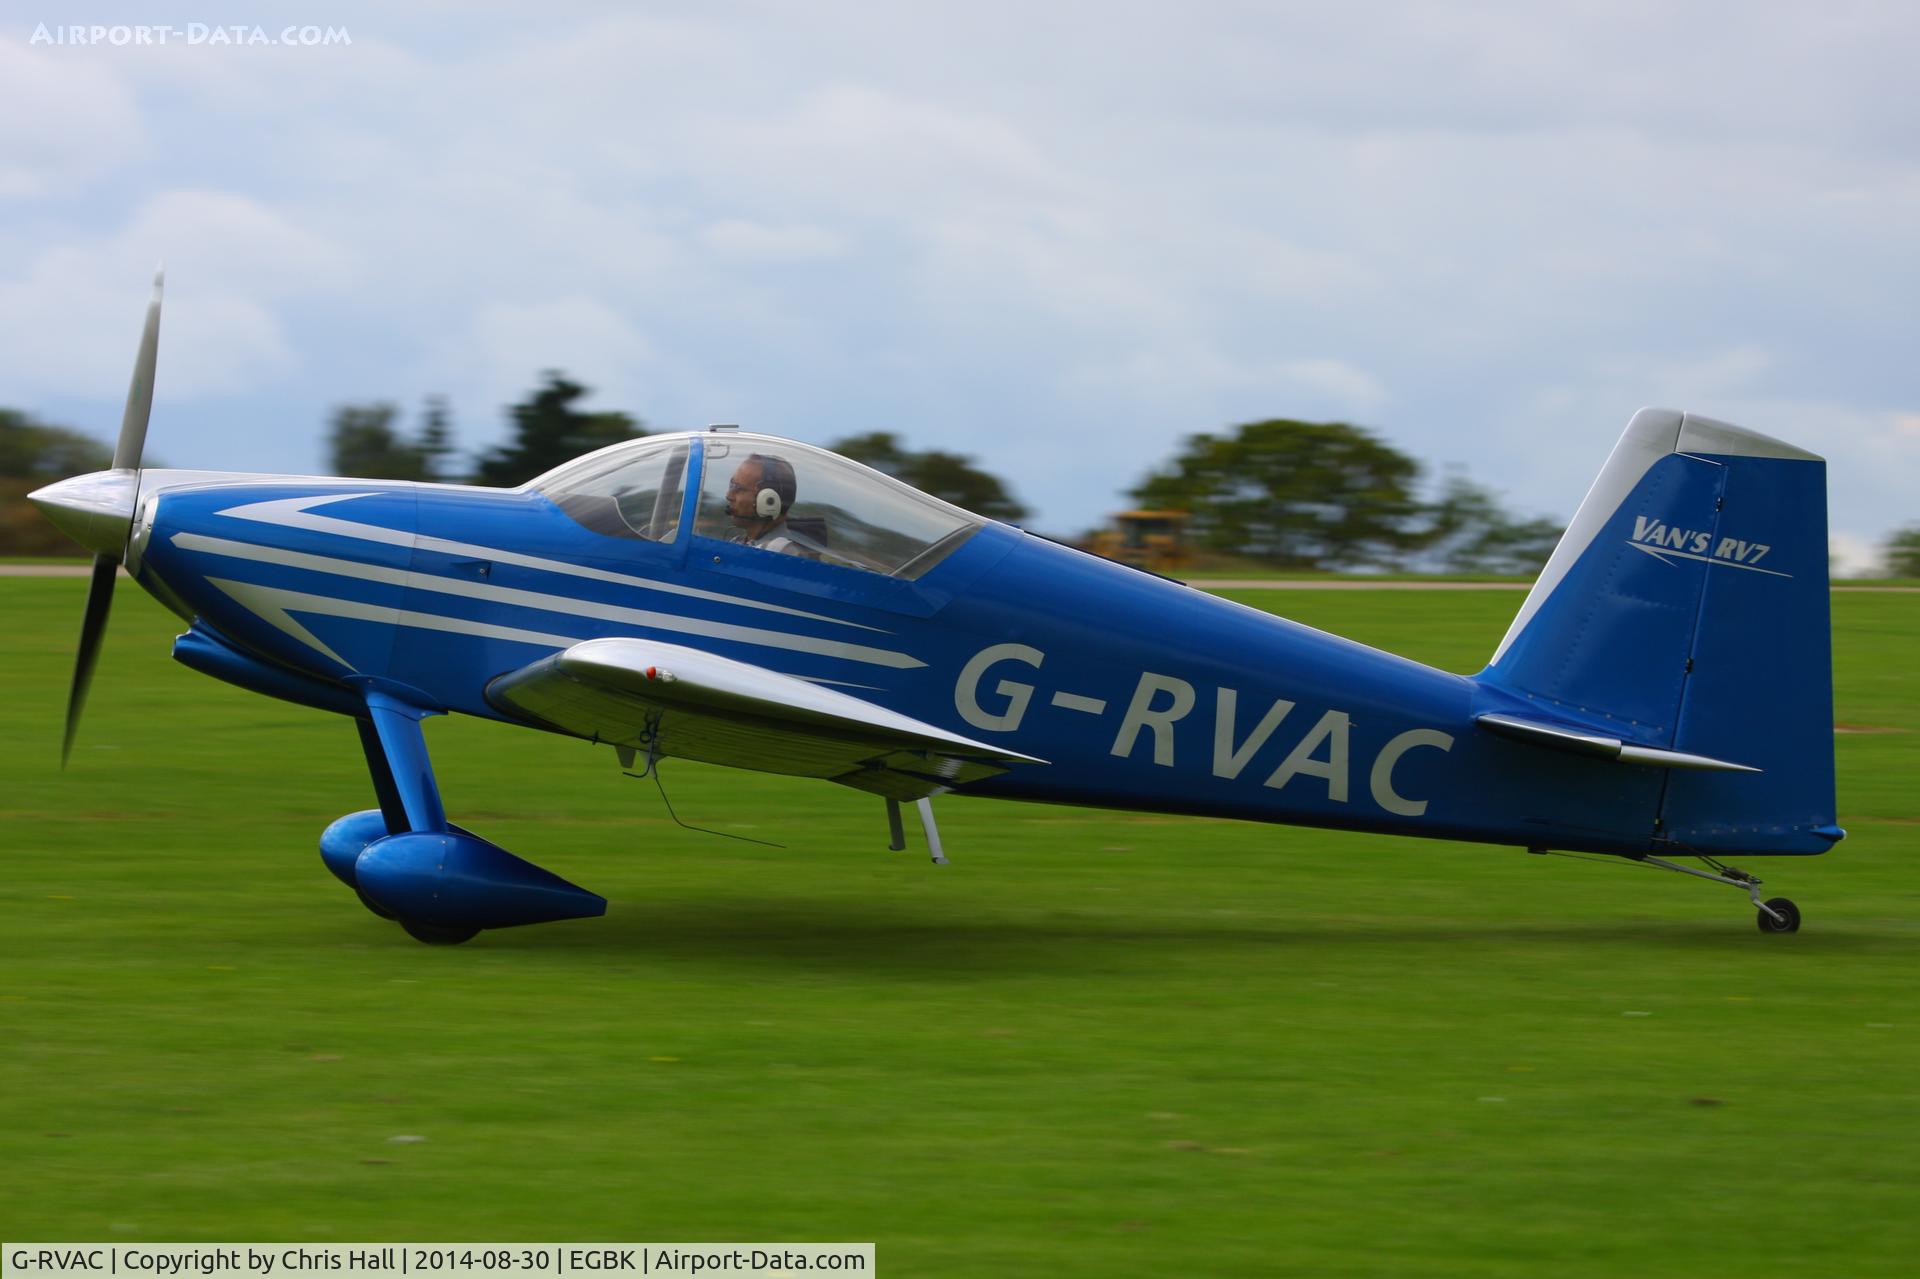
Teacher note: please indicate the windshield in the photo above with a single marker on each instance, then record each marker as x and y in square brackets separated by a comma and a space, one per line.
[631, 491]
[793, 499]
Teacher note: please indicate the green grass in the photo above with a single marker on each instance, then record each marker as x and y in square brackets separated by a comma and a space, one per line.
[1231, 567]
[1096, 1044]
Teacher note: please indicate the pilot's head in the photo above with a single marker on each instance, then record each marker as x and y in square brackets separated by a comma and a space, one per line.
[760, 492]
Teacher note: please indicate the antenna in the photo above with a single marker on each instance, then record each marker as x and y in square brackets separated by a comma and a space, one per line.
[653, 770]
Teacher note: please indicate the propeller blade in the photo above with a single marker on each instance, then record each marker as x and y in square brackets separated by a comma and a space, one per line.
[106, 567]
[92, 627]
[133, 423]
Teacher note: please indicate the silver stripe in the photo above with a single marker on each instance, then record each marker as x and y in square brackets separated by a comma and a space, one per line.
[266, 603]
[1708, 435]
[839, 683]
[1662, 553]
[292, 512]
[1650, 436]
[486, 591]
[268, 600]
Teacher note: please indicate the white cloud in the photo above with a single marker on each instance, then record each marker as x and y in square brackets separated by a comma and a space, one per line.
[1173, 370]
[1700, 378]
[883, 151]
[744, 240]
[508, 344]
[63, 120]
[1333, 381]
[1490, 232]
[221, 238]
[69, 322]
[66, 330]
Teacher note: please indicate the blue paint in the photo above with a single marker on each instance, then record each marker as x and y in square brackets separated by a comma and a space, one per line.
[456, 880]
[398, 724]
[342, 842]
[203, 650]
[1752, 626]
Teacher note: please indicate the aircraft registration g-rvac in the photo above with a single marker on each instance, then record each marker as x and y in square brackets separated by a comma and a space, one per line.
[1664, 692]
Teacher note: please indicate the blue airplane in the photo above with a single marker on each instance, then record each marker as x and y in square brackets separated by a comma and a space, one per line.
[1664, 692]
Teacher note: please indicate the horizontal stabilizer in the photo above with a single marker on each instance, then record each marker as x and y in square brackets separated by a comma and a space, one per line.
[672, 700]
[1559, 737]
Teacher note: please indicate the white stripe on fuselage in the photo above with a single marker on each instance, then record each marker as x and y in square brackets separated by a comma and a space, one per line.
[265, 602]
[275, 603]
[486, 591]
[296, 512]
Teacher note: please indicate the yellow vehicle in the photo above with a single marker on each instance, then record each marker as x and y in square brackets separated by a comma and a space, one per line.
[1155, 540]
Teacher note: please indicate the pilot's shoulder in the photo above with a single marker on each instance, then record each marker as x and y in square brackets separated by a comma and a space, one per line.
[781, 544]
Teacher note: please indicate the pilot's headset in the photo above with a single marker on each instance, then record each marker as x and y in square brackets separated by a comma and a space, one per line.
[776, 486]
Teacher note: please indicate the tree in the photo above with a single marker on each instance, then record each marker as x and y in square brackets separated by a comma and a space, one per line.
[435, 440]
[1903, 552]
[33, 453]
[1469, 532]
[33, 450]
[1302, 495]
[881, 450]
[950, 477]
[548, 430]
[362, 440]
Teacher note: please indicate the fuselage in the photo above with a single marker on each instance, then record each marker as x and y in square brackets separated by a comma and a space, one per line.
[1140, 692]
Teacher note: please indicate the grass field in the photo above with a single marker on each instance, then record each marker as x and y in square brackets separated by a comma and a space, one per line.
[1096, 1044]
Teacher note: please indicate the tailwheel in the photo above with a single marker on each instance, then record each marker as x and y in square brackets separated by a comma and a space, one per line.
[438, 934]
[1779, 915]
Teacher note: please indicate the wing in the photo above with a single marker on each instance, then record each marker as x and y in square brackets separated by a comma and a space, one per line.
[637, 693]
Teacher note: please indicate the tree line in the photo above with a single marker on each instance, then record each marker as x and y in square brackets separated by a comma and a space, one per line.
[1291, 495]
[550, 428]
[33, 453]
[1330, 496]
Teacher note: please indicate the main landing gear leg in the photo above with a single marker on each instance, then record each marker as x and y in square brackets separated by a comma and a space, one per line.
[408, 863]
[400, 765]
[897, 831]
[403, 779]
[932, 832]
[1777, 915]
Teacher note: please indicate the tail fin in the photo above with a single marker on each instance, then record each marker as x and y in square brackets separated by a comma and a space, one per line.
[1686, 608]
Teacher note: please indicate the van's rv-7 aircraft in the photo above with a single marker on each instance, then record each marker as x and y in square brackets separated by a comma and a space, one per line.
[1665, 690]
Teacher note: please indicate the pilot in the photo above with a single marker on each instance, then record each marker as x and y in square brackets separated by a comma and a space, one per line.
[759, 496]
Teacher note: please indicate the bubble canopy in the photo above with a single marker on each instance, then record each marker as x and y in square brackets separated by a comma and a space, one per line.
[632, 489]
[839, 513]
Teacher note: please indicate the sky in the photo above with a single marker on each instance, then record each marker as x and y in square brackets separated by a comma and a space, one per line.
[1058, 237]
